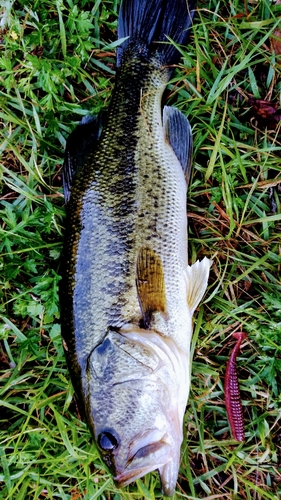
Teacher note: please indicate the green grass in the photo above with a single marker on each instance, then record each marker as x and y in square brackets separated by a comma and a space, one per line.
[56, 65]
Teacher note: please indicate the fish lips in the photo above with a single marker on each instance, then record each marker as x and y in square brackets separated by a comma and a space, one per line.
[152, 450]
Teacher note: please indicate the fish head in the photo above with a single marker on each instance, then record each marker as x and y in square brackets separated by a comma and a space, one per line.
[134, 407]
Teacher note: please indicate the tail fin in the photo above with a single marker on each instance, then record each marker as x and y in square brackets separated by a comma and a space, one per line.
[147, 22]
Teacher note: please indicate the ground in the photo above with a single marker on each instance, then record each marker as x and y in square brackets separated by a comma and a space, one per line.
[57, 65]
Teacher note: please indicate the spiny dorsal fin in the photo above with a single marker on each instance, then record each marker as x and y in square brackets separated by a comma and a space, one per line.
[150, 284]
[178, 134]
[197, 280]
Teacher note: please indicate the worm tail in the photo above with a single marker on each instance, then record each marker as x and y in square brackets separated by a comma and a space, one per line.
[232, 392]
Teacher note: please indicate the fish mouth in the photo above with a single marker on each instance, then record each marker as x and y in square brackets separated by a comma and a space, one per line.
[145, 456]
[168, 474]
[126, 477]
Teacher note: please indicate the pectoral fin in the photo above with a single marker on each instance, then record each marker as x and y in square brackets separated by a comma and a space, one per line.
[150, 284]
[197, 280]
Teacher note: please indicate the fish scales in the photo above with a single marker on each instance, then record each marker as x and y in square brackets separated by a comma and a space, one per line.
[127, 293]
[131, 193]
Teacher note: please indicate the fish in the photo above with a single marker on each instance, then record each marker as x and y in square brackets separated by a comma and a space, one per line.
[127, 292]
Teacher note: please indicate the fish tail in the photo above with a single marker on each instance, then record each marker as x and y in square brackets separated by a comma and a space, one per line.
[148, 26]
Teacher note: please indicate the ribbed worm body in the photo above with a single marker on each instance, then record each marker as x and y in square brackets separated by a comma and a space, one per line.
[232, 392]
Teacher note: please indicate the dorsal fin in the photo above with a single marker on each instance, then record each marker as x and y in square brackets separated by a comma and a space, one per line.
[178, 134]
[78, 145]
[150, 284]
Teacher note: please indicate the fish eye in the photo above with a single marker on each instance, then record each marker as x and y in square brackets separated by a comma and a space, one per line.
[107, 441]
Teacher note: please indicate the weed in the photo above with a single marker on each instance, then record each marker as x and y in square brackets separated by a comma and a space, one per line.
[57, 65]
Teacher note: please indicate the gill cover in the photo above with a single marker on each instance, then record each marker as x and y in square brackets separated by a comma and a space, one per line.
[133, 402]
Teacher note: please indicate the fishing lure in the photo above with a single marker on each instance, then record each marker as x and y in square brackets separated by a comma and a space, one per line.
[232, 392]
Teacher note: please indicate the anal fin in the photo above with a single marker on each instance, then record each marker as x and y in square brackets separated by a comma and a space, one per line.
[178, 134]
[150, 284]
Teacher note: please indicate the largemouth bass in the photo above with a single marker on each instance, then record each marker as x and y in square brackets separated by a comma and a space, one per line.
[128, 294]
